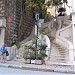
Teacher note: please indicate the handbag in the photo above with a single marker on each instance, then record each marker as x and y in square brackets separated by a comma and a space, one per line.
[7, 54]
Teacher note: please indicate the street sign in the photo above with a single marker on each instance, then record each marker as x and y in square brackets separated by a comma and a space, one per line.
[10, 20]
[37, 16]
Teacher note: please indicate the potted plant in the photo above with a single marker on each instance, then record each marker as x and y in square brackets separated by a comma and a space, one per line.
[42, 51]
[26, 56]
[38, 60]
[35, 55]
[29, 54]
[43, 55]
[32, 57]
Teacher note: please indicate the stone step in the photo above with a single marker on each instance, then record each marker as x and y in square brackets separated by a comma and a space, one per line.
[59, 55]
[65, 63]
[58, 58]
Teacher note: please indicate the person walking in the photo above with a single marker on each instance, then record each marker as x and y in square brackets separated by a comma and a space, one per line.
[3, 53]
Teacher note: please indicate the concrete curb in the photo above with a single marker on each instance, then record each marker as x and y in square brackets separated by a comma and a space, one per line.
[34, 68]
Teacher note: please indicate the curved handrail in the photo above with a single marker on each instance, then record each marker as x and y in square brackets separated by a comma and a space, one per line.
[48, 48]
[61, 30]
[47, 41]
[68, 45]
[65, 42]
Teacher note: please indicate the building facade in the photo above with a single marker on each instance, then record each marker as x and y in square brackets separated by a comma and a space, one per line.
[19, 20]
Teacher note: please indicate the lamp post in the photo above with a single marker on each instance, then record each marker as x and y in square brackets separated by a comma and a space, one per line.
[36, 32]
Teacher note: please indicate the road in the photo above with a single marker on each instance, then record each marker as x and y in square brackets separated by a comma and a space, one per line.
[10, 71]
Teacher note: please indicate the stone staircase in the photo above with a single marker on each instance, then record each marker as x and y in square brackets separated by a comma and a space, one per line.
[59, 55]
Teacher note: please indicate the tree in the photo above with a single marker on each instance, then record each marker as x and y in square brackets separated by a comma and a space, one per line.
[56, 3]
[38, 6]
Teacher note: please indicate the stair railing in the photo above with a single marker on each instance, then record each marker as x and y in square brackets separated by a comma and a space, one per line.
[63, 30]
[61, 39]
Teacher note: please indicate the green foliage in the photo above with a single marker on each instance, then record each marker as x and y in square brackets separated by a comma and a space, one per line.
[42, 30]
[43, 54]
[12, 44]
[36, 4]
[38, 53]
[26, 55]
[15, 43]
[29, 55]
[27, 46]
[57, 2]
[34, 40]
[42, 46]
[39, 57]
[40, 6]
[32, 55]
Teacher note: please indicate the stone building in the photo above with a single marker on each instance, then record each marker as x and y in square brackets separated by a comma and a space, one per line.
[18, 24]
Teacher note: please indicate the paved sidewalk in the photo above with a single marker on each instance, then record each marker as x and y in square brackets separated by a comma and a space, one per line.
[51, 68]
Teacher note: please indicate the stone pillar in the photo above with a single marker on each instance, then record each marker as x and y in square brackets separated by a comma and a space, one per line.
[2, 36]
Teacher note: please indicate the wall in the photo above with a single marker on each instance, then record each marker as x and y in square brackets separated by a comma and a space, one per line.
[2, 36]
[51, 10]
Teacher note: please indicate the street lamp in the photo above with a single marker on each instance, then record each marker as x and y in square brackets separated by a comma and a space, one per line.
[36, 32]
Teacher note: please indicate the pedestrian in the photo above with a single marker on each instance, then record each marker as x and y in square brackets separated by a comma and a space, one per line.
[3, 53]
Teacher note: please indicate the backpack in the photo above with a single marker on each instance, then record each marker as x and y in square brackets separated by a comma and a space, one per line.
[7, 54]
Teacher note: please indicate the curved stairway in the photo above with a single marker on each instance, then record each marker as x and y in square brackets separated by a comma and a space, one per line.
[60, 54]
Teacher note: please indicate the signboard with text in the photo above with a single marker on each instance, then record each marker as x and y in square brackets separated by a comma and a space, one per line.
[10, 20]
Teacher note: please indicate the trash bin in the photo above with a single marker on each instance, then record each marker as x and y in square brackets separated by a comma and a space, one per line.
[12, 52]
